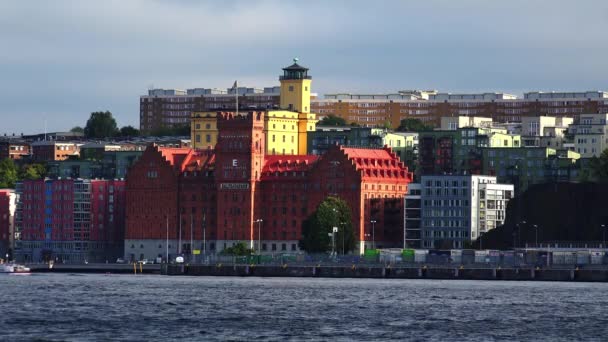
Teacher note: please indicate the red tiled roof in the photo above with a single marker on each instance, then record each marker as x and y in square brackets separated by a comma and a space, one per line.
[288, 163]
[376, 162]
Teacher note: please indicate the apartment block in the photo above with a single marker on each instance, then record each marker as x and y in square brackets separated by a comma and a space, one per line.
[45, 151]
[590, 135]
[459, 209]
[14, 149]
[172, 108]
[69, 220]
[375, 110]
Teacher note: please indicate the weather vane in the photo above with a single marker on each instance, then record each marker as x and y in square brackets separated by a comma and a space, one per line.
[296, 59]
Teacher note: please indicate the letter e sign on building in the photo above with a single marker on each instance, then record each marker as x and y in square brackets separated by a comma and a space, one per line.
[235, 162]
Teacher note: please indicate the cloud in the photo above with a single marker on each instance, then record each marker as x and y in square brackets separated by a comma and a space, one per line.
[69, 58]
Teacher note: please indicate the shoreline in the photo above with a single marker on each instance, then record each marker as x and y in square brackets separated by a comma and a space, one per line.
[327, 271]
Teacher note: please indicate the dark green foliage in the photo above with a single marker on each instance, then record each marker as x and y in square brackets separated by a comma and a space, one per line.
[32, 172]
[332, 212]
[413, 125]
[332, 120]
[238, 250]
[101, 125]
[8, 173]
[598, 169]
[77, 129]
[562, 211]
[129, 131]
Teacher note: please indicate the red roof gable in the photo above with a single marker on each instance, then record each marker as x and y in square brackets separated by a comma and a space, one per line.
[285, 163]
[376, 162]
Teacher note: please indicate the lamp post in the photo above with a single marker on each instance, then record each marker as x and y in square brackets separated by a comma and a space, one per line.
[343, 233]
[373, 222]
[259, 222]
[603, 235]
[536, 234]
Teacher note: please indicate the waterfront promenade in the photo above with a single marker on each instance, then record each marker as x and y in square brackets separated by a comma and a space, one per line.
[445, 272]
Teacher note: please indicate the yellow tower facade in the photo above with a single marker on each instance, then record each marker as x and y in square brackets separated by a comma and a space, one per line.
[203, 130]
[295, 88]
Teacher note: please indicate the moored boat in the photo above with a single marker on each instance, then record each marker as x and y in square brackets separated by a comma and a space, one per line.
[14, 269]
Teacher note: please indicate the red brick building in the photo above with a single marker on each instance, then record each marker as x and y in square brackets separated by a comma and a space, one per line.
[7, 212]
[215, 197]
[69, 220]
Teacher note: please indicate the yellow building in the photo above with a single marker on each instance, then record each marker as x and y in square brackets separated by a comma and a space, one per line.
[286, 129]
[203, 130]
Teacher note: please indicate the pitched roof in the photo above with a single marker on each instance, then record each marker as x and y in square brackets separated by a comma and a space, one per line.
[286, 163]
[376, 162]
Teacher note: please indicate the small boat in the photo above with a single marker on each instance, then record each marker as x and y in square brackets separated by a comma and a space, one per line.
[14, 269]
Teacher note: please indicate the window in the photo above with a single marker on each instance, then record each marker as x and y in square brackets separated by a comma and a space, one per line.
[290, 88]
[208, 126]
[208, 138]
[198, 138]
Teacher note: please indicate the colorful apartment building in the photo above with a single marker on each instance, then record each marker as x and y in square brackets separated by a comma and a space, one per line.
[217, 197]
[69, 220]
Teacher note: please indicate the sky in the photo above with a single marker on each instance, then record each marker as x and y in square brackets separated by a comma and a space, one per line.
[61, 60]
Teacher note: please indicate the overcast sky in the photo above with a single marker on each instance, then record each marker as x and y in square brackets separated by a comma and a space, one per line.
[61, 60]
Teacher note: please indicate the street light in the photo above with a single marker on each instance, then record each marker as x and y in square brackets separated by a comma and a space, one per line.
[604, 235]
[536, 233]
[259, 222]
[373, 222]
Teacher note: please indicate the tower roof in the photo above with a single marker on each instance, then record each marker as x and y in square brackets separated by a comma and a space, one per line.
[295, 71]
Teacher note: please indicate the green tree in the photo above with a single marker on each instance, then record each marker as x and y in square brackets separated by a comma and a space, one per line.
[101, 125]
[8, 173]
[129, 131]
[413, 125]
[238, 250]
[317, 229]
[33, 171]
[598, 168]
[332, 120]
[77, 129]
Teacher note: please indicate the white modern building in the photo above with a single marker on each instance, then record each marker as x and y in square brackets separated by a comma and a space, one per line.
[460, 208]
[590, 135]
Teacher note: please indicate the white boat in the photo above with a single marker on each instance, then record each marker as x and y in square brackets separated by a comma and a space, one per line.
[14, 269]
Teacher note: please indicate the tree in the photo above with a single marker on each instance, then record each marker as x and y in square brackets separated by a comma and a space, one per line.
[317, 229]
[77, 129]
[413, 125]
[238, 250]
[32, 172]
[332, 120]
[8, 173]
[101, 125]
[129, 131]
[598, 168]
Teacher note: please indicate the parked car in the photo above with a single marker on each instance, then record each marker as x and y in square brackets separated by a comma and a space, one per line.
[120, 261]
[146, 261]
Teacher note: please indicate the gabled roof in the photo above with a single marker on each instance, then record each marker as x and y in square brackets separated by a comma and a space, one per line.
[286, 163]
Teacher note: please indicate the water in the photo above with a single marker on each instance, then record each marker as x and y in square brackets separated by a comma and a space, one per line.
[61, 307]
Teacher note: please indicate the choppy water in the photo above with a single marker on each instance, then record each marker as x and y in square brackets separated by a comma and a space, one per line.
[155, 308]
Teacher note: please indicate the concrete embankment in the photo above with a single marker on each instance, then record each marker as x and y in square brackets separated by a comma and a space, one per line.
[96, 268]
[357, 271]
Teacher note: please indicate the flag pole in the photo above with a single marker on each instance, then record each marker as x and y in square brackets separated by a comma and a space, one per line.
[236, 92]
